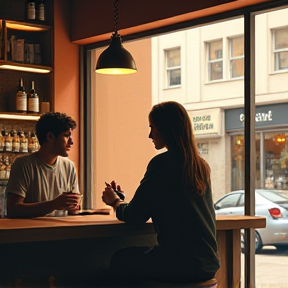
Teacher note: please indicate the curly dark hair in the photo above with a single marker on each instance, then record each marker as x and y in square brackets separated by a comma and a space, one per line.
[54, 122]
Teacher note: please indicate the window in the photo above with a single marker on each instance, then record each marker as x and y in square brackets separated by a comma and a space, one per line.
[215, 60]
[173, 67]
[280, 48]
[236, 46]
[228, 201]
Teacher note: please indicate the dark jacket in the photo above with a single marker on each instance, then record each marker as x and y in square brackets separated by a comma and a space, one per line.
[184, 221]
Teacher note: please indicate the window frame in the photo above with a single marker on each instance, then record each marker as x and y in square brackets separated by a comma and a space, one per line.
[210, 62]
[86, 112]
[277, 51]
[172, 68]
[231, 58]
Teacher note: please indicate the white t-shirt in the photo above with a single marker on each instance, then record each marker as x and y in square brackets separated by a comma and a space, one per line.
[37, 181]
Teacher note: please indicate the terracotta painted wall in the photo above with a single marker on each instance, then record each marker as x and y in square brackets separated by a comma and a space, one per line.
[66, 70]
[122, 149]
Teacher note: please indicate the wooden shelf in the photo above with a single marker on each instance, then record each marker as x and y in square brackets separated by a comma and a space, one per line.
[10, 65]
[26, 26]
[19, 116]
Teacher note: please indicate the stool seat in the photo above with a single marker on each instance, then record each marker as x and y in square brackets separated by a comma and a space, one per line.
[211, 283]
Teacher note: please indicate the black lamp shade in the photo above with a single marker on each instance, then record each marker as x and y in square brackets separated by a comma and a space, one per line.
[116, 59]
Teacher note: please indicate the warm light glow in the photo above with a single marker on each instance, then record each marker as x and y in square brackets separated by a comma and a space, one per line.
[115, 71]
[280, 139]
[24, 27]
[24, 68]
[19, 117]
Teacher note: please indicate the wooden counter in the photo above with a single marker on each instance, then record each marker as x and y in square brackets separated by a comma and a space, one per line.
[97, 237]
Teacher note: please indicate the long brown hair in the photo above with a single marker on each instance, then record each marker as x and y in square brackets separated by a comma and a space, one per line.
[174, 125]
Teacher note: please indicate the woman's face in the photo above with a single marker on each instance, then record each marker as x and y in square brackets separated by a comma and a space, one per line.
[156, 137]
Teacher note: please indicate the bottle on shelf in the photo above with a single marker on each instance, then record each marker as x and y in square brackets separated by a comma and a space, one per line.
[31, 10]
[2, 140]
[21, 98]
[2, 169]
[31, 142]
[33, 100]
[15, 142]
[40, 11]
[8, 142]
[23, 143]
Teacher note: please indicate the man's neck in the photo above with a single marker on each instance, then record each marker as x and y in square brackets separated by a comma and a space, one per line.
[46, 156]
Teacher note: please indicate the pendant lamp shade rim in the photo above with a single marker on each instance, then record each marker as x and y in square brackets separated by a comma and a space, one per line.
[116, 59]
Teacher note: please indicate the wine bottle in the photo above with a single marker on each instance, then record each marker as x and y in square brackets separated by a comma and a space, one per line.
[21, 98]
[31, 10]
[33, 100]
[41, 11]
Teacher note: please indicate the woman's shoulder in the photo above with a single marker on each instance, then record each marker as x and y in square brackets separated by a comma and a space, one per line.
[165, 158]
[159, 157]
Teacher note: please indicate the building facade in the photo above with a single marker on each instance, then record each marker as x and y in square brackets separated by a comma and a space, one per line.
[203, 68]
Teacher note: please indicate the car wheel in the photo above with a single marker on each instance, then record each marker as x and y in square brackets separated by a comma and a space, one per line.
[258, 243]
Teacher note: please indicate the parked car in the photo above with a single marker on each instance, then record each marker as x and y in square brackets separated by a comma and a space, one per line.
[272, 204]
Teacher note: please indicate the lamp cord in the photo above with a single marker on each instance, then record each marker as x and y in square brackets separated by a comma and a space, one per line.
[116, 17]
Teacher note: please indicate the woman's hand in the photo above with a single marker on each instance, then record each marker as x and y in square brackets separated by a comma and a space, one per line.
[109, 197]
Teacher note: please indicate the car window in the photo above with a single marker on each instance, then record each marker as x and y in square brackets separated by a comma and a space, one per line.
[274, 196]
[241, 200]
[228, 201]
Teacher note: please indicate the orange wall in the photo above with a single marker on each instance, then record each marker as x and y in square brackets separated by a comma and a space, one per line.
[66, 70]
[122, 148]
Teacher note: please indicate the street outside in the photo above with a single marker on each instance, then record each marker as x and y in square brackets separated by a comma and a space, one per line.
[271, 268]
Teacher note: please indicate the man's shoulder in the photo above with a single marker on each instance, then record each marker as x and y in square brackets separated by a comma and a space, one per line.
[65, 161]
[25, 159]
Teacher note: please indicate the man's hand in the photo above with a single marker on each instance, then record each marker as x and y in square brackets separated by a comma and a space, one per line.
[67, 201]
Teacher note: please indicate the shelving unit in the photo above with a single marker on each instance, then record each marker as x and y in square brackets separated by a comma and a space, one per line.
[34, 66]
[37, 67]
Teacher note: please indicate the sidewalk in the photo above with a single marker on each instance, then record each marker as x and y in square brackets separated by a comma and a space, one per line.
[271, 268]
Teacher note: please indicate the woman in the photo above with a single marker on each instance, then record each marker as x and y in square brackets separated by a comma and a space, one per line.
[176, 194]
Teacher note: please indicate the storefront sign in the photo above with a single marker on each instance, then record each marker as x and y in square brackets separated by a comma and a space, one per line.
[206, 122]
[265, 116]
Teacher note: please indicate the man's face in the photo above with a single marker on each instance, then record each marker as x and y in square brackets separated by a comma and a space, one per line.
[63, 143]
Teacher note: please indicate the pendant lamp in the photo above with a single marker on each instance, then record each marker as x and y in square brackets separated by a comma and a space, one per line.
[115, 60]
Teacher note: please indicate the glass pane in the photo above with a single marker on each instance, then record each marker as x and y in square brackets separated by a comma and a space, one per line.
[238, 158]
[212, 107]
[237, 46]
[216, 71]
[271, 150]
[281, 38]
[237, 68]
[215, 50]
[228, 201]
[173, 58]
[174, 77]
[281, 60]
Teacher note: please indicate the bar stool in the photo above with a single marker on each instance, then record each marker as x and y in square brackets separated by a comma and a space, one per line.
[211, 283]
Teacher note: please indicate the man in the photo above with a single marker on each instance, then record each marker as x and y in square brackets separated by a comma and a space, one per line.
[38, 181]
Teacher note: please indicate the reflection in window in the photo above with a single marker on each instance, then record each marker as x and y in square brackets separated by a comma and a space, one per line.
[280, 45]
[173, 67]
[215, 60]
[271, 155]
[236, 57]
